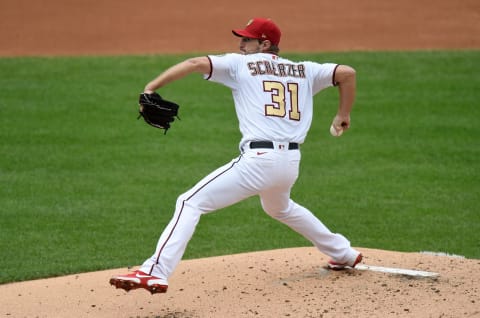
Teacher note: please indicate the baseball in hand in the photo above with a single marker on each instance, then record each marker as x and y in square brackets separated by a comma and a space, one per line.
[336, 131]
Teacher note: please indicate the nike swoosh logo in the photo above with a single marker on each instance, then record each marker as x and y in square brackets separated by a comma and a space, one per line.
[142, 276]
[261, 153]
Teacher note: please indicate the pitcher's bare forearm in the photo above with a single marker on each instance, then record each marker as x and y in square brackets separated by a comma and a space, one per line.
[193, 65]
[345, 77]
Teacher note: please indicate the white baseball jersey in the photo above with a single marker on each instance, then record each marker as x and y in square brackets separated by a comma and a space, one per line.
[273, 96]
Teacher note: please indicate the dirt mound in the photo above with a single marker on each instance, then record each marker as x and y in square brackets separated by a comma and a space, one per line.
[279, 283]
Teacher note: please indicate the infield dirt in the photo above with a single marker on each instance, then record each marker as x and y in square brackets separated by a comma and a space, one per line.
[279, 283]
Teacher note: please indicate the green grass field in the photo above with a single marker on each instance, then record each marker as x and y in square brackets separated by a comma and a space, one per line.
[85, 186]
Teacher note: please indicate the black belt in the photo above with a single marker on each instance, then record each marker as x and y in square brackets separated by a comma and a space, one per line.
[269, 145]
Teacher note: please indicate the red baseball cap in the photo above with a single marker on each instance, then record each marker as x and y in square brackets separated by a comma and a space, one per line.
[262, 29]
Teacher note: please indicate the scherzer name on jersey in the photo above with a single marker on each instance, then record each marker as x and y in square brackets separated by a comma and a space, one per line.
[276, 69]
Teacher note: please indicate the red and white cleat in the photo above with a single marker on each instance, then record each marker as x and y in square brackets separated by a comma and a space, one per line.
[339, 266]
[139, 279]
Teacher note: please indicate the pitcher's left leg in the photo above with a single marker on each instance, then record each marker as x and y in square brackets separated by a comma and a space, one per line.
[300, 219]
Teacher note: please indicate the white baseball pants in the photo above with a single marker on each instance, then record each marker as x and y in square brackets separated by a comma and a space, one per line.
[269, 173]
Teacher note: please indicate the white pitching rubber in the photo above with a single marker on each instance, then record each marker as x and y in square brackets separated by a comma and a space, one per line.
[398, 271]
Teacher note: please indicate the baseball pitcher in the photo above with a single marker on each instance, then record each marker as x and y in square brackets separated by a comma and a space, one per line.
[273, 99]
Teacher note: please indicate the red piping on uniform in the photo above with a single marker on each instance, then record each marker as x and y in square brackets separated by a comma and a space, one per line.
[211, 68]
[333, 77]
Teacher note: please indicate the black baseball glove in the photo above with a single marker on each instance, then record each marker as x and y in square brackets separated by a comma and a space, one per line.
[157, 111]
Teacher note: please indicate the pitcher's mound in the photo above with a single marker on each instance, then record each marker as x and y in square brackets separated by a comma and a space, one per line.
[280, 283]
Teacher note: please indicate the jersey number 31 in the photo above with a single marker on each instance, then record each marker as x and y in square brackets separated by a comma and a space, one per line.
[278, 91]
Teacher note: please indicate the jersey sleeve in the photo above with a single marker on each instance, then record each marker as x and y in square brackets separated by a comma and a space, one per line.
[322, 75]
[223, 69]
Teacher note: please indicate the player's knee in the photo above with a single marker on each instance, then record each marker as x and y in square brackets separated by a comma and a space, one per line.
[181, 199]
[192, 204]
[274, 210]
[184, 202]
[277, 210]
